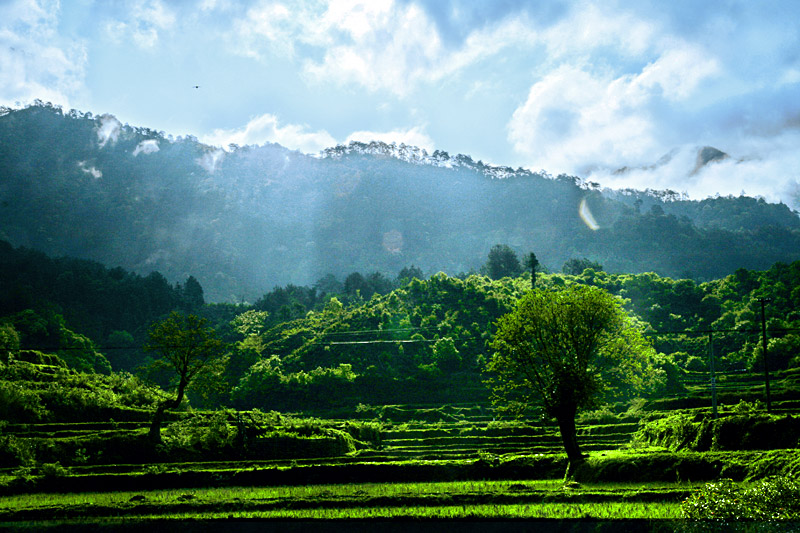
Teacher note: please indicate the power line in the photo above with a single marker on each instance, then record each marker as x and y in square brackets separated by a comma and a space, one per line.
[406, 341]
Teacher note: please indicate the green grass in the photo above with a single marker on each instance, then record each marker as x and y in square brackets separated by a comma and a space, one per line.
[561, 511]
[470, 499]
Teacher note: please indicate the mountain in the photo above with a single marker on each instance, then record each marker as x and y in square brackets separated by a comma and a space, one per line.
[244, 220]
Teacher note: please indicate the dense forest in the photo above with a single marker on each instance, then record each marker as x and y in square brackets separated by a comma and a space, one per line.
[370, 339]
[250, 218]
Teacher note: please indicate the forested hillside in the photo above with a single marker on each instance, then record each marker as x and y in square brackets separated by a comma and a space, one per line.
[253, 218]
[375, 340]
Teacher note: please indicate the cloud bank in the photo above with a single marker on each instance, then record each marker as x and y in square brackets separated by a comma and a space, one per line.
[267, 129]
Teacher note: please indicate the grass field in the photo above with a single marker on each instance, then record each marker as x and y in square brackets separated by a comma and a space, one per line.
[537, 499]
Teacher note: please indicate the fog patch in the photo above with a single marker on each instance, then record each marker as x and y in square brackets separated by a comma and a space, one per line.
[211, 159]
[90, 169]
[393, 242]
[149, 146]
[108, 129]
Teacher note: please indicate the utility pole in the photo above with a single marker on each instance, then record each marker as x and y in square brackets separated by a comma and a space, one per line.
[713, 375]
[764, 349]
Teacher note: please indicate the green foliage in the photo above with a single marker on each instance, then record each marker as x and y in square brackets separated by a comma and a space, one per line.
[502, 262]
[563, 348]
[774, 499]
[9, 341]
[575, 267]
[676, 431]
[199, 433]
[250, 323]
[365, 431]
[15, 451]
[743, 430]
[603, 415]
[446, 355]
[50, 470]
[31, 392]
[40, 295]
[745, 408]
[47, 330]
[266, 385]
[187, 346]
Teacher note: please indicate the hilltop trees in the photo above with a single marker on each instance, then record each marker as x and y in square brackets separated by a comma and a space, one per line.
[561, 349]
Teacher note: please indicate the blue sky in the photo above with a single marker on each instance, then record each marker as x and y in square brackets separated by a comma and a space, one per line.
[582, 87]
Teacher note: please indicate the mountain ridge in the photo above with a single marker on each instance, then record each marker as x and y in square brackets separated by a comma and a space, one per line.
[245, 220]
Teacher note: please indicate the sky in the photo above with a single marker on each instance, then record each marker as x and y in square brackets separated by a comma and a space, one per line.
[619, 93]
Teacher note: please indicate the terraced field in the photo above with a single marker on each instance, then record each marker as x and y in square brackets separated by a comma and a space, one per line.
[457, 439]
[435, 462]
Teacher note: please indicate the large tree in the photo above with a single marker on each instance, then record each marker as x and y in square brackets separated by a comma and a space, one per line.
[187, 346]
[562, 349]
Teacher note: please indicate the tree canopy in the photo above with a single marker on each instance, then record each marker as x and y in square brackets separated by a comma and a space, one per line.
[187, 346]
[561, 349]
[502, 262]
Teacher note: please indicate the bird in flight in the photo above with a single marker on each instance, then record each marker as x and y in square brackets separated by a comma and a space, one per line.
[195, 86]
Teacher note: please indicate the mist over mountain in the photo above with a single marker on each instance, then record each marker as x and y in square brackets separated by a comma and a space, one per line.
[245, 220]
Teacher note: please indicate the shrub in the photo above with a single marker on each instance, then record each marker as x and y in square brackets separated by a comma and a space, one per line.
[603, 415]
[675, 432]
[365, 431]
[50, 470]
[198, 433]
[20, 404]
[744, 407]
[15, 452]
[696, 364]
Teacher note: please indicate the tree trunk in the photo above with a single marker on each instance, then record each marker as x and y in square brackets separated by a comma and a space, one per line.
[566, 425]
[155, 426]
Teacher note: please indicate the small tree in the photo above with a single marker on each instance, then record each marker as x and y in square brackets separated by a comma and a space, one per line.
[192, 294]
[187, 346]
[532, 264]
[502, 262]
[560, 349]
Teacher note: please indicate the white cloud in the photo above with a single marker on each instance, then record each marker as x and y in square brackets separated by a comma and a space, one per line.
[108, 130]
[575, 120]
[755, 175]
[669, 85]
[411, 137]
[678, 72]
[572, 120]
[148, 146]
[143, 24]
[387, 46]
[267, 128]
[376, 44]
[34, 61]
[590, 28]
